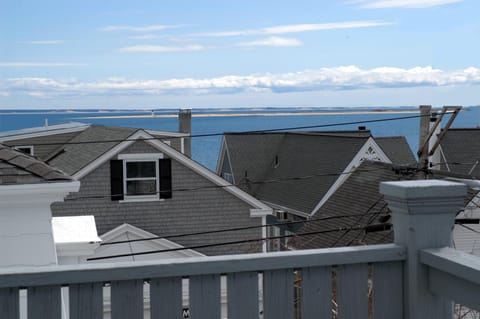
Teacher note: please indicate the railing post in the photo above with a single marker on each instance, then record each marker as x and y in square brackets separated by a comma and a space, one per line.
[423, 215]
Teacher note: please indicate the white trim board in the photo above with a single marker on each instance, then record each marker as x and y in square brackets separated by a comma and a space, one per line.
[357, 159]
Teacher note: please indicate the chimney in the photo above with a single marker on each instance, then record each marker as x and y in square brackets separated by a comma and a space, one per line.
[185, 126]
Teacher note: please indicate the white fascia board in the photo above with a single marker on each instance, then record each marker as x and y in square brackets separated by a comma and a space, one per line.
[222, 154]
[167, 133]
[162, 243]
[49, 130]
[111, 153]
[356, 161]
[260, 212]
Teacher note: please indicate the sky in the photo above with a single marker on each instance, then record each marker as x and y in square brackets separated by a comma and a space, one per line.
[214, 53]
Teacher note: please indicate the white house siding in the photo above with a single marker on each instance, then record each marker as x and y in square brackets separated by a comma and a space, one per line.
[198, 206]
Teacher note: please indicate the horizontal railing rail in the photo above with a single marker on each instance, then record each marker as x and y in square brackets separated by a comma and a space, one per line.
[348, 282]
[454, 275]
[102, 272]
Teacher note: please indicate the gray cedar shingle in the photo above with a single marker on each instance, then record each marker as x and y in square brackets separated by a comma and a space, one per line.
[461, 148]
[359, 195]
[397, 149]
[192, 210]
[88, 146]
[313, 155]
[19, 168]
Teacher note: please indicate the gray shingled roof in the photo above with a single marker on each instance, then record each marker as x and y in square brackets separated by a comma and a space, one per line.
[397, 149]
[461, 148]
[88, 146]
[359, 196]
[313, 155]
[19, 168]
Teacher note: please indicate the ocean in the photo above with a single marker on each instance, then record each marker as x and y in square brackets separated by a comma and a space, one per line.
[384, 122]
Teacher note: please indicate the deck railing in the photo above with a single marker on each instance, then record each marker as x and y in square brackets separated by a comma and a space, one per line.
[413, 278]
[310, 270]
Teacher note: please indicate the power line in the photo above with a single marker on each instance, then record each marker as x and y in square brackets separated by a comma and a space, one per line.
[222, 244]
[240, 132]
[233, 229]
[187, 189]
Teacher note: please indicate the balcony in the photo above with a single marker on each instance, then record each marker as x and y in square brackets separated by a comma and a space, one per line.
[417, 277]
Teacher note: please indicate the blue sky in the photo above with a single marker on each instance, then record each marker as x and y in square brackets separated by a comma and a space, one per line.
[249, 53]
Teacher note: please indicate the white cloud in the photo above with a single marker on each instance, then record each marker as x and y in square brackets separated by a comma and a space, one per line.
[346, 78]
[44, 42]
[148, 28]
[381, 4]
[272, 42]
[38, 64]
[161, 48]
[144, 37]
[297, 28]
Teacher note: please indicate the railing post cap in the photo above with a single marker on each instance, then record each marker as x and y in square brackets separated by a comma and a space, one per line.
[423, 189]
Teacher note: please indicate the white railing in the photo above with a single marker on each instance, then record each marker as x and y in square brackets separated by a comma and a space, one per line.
[414, 278]
[356, 272]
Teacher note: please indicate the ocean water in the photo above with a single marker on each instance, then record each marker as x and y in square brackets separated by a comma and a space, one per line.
[205, 149]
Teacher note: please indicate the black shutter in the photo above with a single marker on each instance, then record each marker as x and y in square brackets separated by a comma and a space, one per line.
[165, 166]
[116, 179]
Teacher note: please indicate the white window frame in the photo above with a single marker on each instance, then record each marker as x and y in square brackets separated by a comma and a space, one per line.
[18, 147]
[146, 157]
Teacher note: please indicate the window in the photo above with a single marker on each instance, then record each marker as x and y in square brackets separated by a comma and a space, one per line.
[25, 149]
[140, 177]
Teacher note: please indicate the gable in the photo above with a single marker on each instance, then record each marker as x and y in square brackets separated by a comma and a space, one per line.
[259, 209]
[133, 238]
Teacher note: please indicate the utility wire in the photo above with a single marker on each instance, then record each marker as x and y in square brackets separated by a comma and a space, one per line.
[187, 189]
[240, 132]
[225, 243]
[232, 229]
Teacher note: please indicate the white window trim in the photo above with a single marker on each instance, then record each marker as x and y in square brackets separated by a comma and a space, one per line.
[17, 147]
[141, 156]
[144, 157]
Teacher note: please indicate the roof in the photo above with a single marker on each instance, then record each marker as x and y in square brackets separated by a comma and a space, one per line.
[43, 130]
[359, 199]
[87, 146]
[19, 168]
[461, 151]
[281, 158]
[397, 149]
[299, 167]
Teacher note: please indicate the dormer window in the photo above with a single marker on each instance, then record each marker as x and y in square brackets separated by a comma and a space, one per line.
[140, 177]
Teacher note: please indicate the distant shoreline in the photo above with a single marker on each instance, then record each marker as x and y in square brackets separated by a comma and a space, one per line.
[251, 114]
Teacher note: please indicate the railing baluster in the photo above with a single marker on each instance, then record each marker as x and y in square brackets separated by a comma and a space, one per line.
[352, 291]
[388, 290]
[86, 301]
[242, 295]
[127, 299]
[317, 292]
[278, 294]
[9, 303]
[44, 302]
[166, 298]
[205, 297]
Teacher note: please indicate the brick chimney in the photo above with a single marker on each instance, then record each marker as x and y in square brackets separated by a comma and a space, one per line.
[185, 126]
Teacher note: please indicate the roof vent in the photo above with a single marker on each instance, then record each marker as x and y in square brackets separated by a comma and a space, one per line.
[362, 128]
